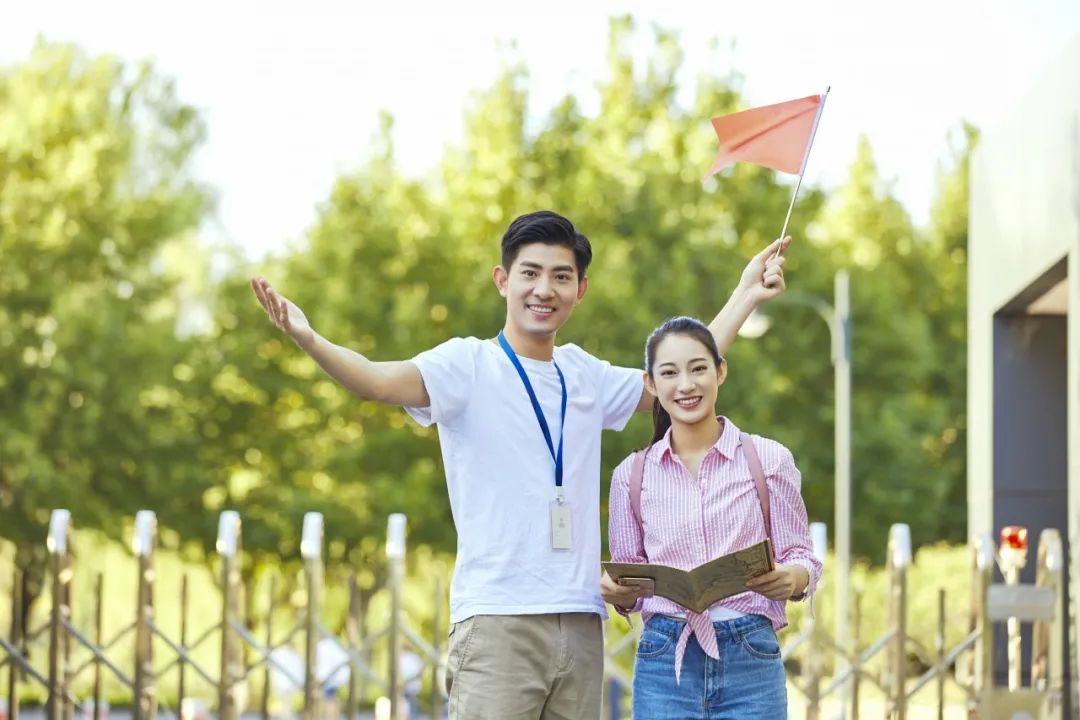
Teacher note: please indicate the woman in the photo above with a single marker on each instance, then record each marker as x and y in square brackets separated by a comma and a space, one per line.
[697, 500]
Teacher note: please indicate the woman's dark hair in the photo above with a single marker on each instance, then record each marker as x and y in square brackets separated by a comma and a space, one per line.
[549, 228]
[675, 326]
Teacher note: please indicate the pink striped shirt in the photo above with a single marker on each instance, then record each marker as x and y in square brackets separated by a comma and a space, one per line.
[688, 521]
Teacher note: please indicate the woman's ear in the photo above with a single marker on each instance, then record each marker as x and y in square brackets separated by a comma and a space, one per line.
[721, 372]
[649, 384]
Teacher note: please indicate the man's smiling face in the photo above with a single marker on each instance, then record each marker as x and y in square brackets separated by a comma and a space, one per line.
[541, 288]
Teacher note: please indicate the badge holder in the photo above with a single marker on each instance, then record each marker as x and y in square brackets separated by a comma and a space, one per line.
[561, 523]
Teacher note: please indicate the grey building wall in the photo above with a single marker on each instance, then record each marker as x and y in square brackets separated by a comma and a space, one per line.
[1023, 344]
[1024, 220]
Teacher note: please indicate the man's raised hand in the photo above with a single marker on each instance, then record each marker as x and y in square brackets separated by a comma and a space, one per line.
[284, 313]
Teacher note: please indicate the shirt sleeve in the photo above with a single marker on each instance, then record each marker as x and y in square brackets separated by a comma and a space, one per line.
[620, 393]
[449, 372]
[626, 540]
[790, 526]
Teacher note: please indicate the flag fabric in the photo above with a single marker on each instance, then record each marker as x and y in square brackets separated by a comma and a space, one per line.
[776, 136]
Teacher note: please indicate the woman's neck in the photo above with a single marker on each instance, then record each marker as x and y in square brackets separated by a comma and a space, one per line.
[696, 438]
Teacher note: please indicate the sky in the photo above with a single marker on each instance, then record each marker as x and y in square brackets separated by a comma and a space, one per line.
[291, 92]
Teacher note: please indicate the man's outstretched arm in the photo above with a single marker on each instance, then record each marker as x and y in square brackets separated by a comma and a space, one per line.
[393, 383]
[762, 279]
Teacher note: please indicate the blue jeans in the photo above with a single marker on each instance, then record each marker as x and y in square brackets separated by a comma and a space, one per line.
[746, 683]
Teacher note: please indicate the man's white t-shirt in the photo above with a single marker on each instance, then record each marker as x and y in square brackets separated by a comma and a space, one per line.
[501, 475]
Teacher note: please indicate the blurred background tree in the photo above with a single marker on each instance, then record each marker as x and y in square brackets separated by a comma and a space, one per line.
[135, 375]
[94, 187]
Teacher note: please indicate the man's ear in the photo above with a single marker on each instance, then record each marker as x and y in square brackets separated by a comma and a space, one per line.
[501, 278]
[582, 288]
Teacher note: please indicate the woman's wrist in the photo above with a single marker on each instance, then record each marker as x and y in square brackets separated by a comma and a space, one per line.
[802, 582]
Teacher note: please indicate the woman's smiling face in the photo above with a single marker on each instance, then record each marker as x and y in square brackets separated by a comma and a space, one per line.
[685, 379]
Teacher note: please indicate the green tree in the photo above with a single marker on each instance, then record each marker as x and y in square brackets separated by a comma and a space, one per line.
[946, 310]
[394, 266]
[94, 163]
[114, 400]
[900, 407]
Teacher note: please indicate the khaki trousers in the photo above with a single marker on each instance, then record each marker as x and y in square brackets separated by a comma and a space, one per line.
[526, 667]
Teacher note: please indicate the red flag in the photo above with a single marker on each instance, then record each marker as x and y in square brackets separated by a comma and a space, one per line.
[775, 136]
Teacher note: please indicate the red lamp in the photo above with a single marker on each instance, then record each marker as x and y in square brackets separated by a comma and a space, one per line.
[1014, 537]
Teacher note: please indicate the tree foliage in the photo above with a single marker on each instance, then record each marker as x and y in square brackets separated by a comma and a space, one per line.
[107, 408]
[94, 186]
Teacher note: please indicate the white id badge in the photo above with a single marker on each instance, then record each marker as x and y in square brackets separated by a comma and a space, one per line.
[561, 524]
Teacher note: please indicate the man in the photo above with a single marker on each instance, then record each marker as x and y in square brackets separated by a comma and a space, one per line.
[526, 639]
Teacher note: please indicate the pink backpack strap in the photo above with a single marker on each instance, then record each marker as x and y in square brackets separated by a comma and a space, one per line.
[637, 474]
[754, 462]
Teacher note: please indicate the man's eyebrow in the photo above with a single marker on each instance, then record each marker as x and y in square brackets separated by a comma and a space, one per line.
[537, 266]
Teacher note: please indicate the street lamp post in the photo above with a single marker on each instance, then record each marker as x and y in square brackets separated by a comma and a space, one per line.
[841, 332]
[838, 317]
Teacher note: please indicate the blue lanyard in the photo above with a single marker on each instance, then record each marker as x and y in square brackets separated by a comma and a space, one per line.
[555, 455]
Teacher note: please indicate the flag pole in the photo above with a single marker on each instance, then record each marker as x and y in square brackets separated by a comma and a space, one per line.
[802, 168]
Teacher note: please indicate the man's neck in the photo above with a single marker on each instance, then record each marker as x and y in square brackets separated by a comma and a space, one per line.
[696, 438]
[530, 346]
